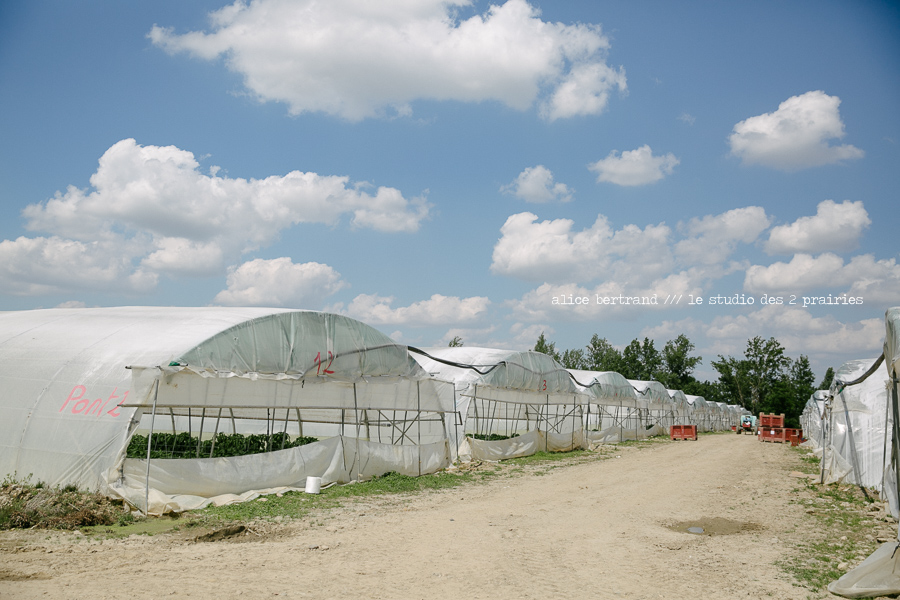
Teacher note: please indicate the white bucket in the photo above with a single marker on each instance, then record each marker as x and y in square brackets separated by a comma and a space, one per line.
[313, 485]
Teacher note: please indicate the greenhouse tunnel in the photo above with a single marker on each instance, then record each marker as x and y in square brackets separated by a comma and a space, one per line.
[305, 393]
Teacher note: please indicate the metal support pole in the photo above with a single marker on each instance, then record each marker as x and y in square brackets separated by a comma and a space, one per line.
[356, 413]
[547, 437]
[200, 433]
[419, 425]
[896, 427]
[149, 440]
[212, 448]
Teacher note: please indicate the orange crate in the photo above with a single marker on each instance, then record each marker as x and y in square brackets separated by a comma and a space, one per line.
[771, 421]
[774, 434]
[683, 432]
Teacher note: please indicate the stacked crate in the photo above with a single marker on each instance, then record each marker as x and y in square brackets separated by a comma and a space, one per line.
[772, 429]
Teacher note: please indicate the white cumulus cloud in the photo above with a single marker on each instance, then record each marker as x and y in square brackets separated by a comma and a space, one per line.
[796, 136]
[437, 310]
[358, 59]
[712, 238]
[634, 167]
[536, 185]
[834, 227]
[875, 281]
[280, 282]
[551, 251]
[616, 298]
[799, 330]
[803, 273]
[45, 265]
[155, 212]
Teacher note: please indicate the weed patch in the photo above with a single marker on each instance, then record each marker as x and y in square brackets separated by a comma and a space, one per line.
[846, 528]
[23, 505]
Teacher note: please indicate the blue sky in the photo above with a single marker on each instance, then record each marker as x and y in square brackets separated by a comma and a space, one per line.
[448, 168]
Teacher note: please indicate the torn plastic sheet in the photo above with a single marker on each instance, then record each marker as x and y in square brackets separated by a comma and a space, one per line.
[878, 575]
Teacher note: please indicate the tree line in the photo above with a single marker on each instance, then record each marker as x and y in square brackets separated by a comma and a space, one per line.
[764, 379]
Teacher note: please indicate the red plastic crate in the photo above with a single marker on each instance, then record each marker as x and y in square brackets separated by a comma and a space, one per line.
[778, 434]
[683, 432]
[771, 421]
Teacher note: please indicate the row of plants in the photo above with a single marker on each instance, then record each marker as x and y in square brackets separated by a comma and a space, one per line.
[184, 445]
[492, 437]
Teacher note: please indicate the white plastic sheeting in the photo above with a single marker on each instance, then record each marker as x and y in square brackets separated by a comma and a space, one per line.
[660, 407]
[613, 412]
[892, 340]
[812, 419]
[857, 424]
[72, 405]
[682, 408]
[177, 484]
[879, 574]
[509, 393]
[63, 376]
[700, 412]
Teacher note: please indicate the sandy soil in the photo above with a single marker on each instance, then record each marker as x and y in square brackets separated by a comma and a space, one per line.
[613, 528]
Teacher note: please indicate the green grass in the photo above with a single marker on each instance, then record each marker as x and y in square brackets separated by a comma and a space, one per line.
[137, 526]
[299, 505]
[551, 457]
[650, 441]
[840, 529]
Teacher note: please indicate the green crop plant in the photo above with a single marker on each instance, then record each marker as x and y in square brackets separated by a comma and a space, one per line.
[184, 445]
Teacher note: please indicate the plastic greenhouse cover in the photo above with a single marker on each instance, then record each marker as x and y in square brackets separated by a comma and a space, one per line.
[816, 403]
[697, 402]
[180, 387]
[866, 404]
[892, 339]
[64, 376]
[527, 371]
[653, 392]
[851, 371]
[679, 398]
[307, 344]
[604, 385]
[862, 396]
[879, 574]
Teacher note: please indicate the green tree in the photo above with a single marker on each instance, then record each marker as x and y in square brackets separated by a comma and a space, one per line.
[574, 359]
[545, 347]
[456, 342]
[826, 381]
[679, 364]
[733, 386]
[802, 385]
[710, 391]
[779, 398]
[766, 364]
[750, 380]
[631, 360]
[641, 360]
[602, 356]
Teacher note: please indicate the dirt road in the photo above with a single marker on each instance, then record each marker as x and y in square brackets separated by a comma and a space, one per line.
[613, 528]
